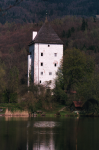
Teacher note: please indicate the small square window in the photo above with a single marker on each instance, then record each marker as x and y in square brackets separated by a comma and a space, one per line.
[50, 73]
[41, 64]
[40, 81]
[41, 54]
[48, 45]
[55, 54]
[41, 73]
[55, 64]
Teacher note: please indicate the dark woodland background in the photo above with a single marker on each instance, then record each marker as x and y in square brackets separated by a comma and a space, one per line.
[34, 10]
[74, 31]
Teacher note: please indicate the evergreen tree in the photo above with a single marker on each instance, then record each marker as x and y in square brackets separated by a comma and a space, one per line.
[84, 25]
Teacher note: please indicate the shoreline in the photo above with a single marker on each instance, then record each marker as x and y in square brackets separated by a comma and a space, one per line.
[43, 113]
[13, 114]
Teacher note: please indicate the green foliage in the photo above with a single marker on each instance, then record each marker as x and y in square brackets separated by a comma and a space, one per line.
[13, 97]
[92, 47]
[37, 97]
[76, 66]
[9, 97]
[89, 88]
[59, 94]
[13, 82]
[29, 102]
[60, 80]
[5, 98]
[10, 92]
[75, 73]
[91, 107]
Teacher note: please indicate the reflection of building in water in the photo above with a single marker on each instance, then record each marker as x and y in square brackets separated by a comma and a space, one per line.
[45, 137]
[41, 135]
[45, 124]
[46, 144]
[27, 144]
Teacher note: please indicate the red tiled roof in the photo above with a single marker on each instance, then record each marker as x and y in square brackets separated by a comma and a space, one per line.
[78, 103]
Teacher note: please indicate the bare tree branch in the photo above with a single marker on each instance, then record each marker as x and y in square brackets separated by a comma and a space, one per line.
[11, 6]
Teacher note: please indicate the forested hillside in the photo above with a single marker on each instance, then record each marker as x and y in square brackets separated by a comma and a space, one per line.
[76, 33]
[35, 10]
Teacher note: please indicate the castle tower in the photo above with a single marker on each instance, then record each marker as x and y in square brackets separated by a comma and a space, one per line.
[46, 52]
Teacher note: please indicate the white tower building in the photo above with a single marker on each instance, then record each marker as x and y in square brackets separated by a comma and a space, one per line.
[45, 54]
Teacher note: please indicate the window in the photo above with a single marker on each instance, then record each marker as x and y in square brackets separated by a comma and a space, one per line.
[41, 73]
[40, 81]
[50, 73]
[55, 54]
[41, 64]
[41, 54]
[55, 64]
[48, 45]
[30, 53]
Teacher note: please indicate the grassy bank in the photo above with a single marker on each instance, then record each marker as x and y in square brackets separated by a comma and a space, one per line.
[60, 110]
[11, 106]
[14, 109]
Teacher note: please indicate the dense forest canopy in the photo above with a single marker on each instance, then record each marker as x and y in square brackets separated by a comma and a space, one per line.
[35, 10]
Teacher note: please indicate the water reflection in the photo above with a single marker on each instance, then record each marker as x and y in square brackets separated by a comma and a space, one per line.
[45, 144]
[49, 134]
[43, 132]
[46, 124]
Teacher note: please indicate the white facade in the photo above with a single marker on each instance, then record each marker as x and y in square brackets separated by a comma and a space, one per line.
[29, 68]
[44, 62]
[44, 59]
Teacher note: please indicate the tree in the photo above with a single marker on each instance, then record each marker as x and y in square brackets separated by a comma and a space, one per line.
[2, 77]
[11, 91]
[76, 71]
[76, 68]
[89, 88]
[84, 25]
[13, 79]
[59, 93]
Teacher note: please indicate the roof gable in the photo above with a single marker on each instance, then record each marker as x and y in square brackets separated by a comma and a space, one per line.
[47, 35]
[78, 103]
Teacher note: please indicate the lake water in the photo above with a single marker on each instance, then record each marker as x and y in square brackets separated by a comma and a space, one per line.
[49, 133]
